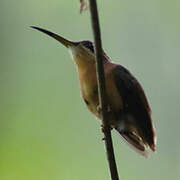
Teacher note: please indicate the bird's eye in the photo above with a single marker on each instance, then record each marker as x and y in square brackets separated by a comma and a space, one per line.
[88, 45]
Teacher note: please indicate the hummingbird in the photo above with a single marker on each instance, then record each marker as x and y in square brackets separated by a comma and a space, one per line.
[126, 98]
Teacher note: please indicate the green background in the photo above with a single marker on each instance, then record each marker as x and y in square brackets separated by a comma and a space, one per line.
[46, 132]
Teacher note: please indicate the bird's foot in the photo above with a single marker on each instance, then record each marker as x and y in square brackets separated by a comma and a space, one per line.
[103, 139]
[103, 130]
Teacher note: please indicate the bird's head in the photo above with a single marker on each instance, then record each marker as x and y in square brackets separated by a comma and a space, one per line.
[82, 51]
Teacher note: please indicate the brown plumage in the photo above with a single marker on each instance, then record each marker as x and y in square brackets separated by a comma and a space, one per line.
[125, 96]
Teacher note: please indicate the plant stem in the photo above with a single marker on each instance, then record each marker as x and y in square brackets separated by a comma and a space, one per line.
[102, 89]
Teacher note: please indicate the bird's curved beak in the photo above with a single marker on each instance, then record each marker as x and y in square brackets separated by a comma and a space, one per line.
[62, 40]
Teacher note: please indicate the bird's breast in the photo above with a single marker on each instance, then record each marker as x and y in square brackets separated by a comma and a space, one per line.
[89, 89]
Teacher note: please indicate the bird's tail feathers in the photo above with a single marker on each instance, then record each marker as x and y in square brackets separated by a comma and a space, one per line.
[135, 143]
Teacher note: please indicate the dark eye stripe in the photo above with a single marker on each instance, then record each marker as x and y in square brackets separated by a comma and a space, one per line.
[88, 45]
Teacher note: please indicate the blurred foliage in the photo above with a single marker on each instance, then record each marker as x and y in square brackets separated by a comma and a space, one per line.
[46, 132]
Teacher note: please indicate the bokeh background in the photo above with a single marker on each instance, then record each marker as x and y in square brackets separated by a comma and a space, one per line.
[46, 132]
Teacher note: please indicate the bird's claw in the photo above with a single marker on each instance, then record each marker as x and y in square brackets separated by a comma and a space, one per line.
[103, 130]
[103, 139]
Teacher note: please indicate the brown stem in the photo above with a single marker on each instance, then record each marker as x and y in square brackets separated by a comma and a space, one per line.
[102, 89]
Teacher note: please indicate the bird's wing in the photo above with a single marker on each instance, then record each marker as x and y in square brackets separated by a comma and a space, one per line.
[135, 105]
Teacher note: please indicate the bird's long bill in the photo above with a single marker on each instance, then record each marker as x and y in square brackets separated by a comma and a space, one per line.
[62, 40]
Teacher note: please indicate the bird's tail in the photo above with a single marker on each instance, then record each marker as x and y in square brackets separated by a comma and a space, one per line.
[134, 141]
[132, 135]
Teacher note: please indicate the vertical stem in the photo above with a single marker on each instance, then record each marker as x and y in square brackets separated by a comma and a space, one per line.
[102, 89]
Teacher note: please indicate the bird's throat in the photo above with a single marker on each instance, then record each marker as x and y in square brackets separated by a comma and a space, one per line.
[82, 58]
